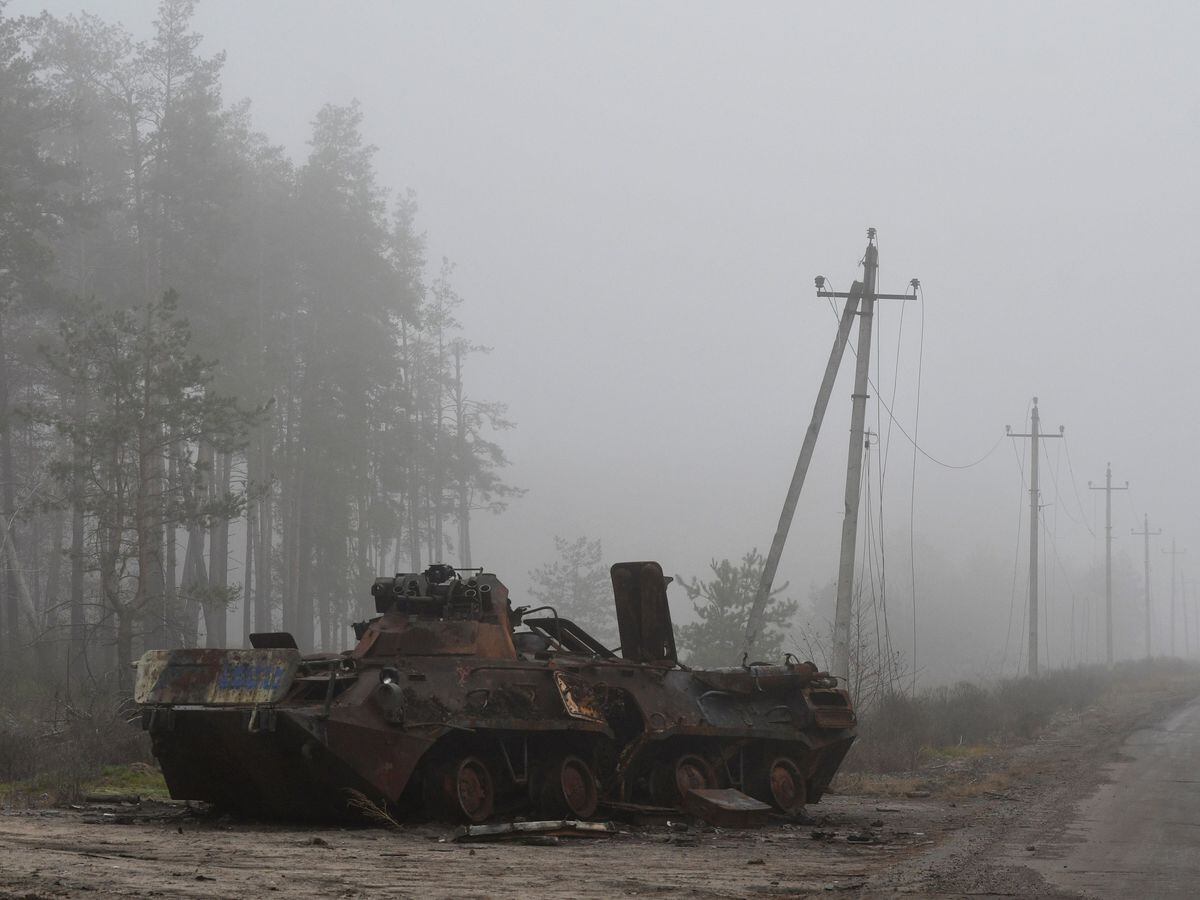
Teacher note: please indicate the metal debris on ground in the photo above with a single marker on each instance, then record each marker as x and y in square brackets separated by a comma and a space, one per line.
[862, 837]
[726, 807]
[521, 830]
[641, 814]
[111, 798]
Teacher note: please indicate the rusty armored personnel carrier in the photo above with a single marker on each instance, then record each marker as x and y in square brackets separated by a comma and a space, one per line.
[453, 704]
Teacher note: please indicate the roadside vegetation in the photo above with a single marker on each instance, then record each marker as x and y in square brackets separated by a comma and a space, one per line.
[56, 748]
[901, 735]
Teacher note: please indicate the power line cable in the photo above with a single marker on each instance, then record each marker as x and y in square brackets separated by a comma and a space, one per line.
[897, 422]
[1075, 483]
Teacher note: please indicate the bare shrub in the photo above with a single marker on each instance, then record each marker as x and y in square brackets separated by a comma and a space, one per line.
[52, 744]
[890, 736]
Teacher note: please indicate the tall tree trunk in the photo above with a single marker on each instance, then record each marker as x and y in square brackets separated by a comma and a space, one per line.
[365, 605]
[218, 568]
[195, 572]
[109, 535]
[21, 592]
[290, 519]
[302, 561]
[8, 504]
[172, 631]
[216, 613]
[77, 614]
[262, 608]
[148, 500]
[125, 617]
[464, 487]
[195, 581]
[54, 559]
[248, 562]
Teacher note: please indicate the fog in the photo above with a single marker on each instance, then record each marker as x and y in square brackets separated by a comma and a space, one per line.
[637, 198]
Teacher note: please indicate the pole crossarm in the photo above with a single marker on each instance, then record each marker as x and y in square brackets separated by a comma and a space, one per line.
[822, 294]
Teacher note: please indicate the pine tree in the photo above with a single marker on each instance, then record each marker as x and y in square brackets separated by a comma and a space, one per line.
[722, 608]
[578, 586]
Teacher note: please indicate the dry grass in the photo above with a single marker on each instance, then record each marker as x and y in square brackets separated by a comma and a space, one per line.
[967, 720]
[861, 784]
[956, 751]
[370, 810]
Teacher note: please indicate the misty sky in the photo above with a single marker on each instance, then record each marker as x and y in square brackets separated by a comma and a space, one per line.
[638, 196]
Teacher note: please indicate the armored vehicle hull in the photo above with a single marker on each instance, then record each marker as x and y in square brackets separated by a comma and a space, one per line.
[454, 705]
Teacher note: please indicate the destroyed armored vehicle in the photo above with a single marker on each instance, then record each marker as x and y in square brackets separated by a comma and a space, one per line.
[455, 705]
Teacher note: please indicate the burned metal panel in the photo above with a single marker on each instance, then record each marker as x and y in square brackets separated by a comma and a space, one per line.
[395, 636]
[215, 677]
[643, 615]
[579, 697]
[726, 807]
[270, 640]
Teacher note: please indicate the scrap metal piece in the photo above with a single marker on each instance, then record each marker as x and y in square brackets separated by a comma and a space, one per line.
[726, 807]
[550, 828]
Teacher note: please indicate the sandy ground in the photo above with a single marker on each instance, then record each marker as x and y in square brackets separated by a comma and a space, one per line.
[991, 825]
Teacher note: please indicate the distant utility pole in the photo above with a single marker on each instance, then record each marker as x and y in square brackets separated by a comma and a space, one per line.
[1183, 597]
[1035, 436]
[860, 301]
[1108, 489]
[1187, 628]
[1174, 553]
[1147, 534]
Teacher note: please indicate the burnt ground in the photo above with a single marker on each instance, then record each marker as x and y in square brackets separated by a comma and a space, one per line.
[981, 824]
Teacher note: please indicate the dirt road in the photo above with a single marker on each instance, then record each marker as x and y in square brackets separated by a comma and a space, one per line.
[1009, 823]
[1139, 834]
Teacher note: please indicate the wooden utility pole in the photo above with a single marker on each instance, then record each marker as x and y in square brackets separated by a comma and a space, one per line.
[1108, 489]
[1035, 437]
[845, 588]
[1147, 534]
[771, 565]
[1174, 553]
[861, 294]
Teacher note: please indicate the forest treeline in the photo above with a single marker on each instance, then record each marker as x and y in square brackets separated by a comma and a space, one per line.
[204, 341]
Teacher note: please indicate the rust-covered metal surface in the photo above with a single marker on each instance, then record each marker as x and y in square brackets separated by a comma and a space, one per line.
[215, 677]
[453, 703]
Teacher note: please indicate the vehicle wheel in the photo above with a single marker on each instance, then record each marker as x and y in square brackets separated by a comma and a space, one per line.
[782, 785]
[669, 783]
[569, 788]
[469, 788]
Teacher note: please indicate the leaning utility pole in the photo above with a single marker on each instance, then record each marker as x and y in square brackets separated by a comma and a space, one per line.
[1174, 553]
[1147, 534]
[771, 565]
[1108, 489]
[1035, 436]
[860, 300]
